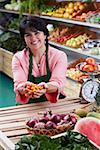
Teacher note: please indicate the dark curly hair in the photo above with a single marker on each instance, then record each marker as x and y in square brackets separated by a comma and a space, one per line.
[33, 24]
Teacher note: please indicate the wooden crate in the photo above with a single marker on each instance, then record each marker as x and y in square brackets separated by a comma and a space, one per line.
[6, 62]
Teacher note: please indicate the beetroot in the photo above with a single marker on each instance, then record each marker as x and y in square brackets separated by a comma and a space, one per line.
[31, 122]
[44, 119]
[39, 125]
[55, 118]
[73, 119]
[61, 122]
[62, 116]
[51, 121]
[50, 125]
[67, 117]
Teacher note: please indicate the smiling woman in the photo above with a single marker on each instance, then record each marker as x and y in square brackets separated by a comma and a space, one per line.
[38, 63]
[7, 96]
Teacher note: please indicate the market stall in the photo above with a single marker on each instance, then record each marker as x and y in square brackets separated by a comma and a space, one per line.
[74, 30]
[12, 119]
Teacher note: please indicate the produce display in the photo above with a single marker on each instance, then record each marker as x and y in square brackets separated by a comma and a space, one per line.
[90, 65]
[94, 18]
[91, 43]
[81, 11]
[5, 19]
[74, 73]
[68, 10]
[71, 140]
[94, 111]
[14, 23]
[83, 16]
[79, 69]
[95, 51]
[76, 11]
[90, 127]
[13, 5]
[76, 42]
[10, 41]
[92, 46]
[29, 6]
[74, 37]
[51, 124]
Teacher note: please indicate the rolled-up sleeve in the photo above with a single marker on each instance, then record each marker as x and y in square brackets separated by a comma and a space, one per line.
[19, 77]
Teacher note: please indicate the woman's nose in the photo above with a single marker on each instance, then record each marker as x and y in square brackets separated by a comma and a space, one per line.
[33, 36]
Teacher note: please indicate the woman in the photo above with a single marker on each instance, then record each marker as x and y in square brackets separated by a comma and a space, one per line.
[38, 63]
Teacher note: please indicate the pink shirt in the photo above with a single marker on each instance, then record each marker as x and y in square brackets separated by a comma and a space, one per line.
[58, 66]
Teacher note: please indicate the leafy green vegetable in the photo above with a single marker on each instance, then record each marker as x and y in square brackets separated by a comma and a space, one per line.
[70, 141]
[98, 96]
[14, 24]
[11, 41]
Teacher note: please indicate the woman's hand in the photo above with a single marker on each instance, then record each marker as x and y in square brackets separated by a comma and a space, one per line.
[22, 89]
[39, 93]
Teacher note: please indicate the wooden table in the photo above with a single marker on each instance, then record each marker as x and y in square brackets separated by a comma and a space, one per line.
[12, 119]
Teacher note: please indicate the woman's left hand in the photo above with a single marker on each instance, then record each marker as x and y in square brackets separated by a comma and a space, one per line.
[39, 93]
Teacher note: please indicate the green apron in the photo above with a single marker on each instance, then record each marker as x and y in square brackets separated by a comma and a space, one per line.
[37, 80]
[40, 79]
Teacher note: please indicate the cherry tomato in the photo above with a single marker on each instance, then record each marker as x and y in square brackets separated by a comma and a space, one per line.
[88, 68]
[96, 67]
[90, 61]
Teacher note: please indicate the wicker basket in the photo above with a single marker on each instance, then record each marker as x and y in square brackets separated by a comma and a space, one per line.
[50, 132]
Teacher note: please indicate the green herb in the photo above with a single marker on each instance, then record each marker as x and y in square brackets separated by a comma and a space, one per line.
[70, 141]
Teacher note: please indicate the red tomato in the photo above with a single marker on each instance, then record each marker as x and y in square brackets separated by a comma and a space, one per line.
[88, 68]
[96, 67]
[90, 61]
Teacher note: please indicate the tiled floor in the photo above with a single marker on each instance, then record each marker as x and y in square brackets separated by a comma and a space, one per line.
[7, 96]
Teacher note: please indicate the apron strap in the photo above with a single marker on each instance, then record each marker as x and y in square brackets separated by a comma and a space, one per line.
[47, 63]
[30, 66]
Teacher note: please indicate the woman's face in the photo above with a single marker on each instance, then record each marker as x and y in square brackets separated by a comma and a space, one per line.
[35, 40]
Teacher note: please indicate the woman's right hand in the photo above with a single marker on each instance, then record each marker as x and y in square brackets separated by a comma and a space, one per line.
[22, 89]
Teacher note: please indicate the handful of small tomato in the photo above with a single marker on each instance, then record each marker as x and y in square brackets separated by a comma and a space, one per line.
[90, 65]
[33, 88]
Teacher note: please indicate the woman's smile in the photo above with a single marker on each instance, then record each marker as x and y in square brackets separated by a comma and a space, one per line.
[35, 39]
[34, 42]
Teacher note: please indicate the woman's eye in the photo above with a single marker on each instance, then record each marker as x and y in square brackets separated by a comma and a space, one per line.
[26, 35]
[37, 33]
